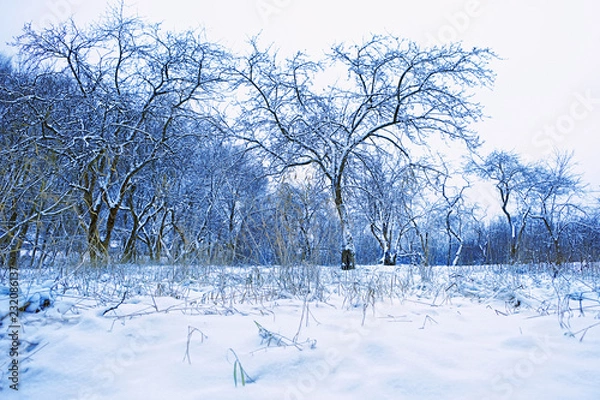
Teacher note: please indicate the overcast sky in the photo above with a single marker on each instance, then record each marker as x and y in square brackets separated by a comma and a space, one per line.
[547, 92]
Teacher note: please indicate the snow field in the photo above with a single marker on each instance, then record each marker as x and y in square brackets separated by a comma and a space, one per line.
[461, 336]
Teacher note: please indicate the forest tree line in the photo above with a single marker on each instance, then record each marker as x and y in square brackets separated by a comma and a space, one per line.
[121, 142]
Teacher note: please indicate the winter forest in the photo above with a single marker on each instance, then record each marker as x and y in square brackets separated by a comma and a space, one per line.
[124, 143]
[182, 220]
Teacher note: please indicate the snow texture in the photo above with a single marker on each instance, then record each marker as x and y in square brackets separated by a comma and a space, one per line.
[372, 333]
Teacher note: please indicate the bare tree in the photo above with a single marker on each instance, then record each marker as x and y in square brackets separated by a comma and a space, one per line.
[556, 190]
[454, 210]
[381, 184]
[129, 90]
[514, 182]
[385, 93]
[295, 222]
[30, 189]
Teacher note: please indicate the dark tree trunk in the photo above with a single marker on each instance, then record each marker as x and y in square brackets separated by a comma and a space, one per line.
[348, 251]
[15, 252]
[389, 258]
[95, 247]
[348, 261]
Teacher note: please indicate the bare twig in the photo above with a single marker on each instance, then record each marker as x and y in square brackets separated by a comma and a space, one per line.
[191, 331]
[115, 307]
[427, 318]
[585, 331]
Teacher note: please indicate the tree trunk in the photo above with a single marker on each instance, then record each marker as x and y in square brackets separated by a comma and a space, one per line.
[389, 258]
[348, 250]
[159, 239]
[457, 254]
[110, 227]
[513, 245]
[129, 253]
[95, 247]
[15, 251]
[384, 238]
[6, 240]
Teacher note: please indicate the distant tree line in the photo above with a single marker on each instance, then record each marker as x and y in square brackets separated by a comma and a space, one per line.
[122, 142]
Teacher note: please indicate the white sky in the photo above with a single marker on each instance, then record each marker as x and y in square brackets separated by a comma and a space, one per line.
[547, 92]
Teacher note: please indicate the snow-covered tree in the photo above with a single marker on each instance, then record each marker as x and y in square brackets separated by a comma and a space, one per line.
[514, 181]
[129, 90]
[330, 113]
[31, 191]
[556, 190]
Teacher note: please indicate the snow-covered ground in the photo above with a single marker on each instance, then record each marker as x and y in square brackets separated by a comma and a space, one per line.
[306, 333]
